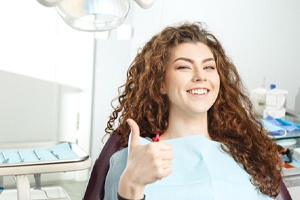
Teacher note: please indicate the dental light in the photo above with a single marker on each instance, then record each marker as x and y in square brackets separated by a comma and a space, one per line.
[94, 15]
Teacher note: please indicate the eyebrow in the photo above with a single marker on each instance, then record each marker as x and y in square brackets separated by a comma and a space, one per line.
[192, 61]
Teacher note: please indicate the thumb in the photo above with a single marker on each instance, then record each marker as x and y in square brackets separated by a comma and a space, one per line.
[135, 134]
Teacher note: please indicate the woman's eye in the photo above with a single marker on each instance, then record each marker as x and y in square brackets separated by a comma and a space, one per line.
[210, 67]
[183, 67]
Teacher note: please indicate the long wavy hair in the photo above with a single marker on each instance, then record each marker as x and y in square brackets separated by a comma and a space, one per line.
[231, 120]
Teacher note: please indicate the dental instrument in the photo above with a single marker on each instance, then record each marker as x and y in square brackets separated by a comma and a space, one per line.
[55, 154]
[37, 155]
[5, 158]
[21, 157]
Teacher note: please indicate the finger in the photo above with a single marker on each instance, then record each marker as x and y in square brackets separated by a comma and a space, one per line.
[164, 172]
[135, 134]
[167, 172]
[167, 155]
[164, 146]
[166, 164]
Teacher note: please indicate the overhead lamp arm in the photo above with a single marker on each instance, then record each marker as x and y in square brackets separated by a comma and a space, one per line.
[145, 3]
[49, 3]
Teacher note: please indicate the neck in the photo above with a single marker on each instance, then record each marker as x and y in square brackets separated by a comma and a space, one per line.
[179, 126]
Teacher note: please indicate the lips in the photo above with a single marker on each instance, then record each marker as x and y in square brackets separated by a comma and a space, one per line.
[198, 91]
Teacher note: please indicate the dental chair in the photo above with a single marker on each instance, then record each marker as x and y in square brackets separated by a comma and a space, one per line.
[95, 187]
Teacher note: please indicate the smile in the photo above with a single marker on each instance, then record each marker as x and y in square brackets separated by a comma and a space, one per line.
[198, 91]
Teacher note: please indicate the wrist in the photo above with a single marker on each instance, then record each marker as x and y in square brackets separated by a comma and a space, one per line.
[129, 189]
[122, 198]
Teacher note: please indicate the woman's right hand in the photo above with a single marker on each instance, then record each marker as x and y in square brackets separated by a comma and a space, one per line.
[145, 164]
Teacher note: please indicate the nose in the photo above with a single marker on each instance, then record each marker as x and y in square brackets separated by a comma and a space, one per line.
[199, 76]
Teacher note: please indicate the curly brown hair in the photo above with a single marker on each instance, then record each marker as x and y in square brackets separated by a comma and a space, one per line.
[231, 120]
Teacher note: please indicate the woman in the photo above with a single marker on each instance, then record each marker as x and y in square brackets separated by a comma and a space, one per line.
[182, 87]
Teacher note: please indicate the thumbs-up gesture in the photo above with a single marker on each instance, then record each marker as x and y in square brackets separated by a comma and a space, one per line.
[145, 164]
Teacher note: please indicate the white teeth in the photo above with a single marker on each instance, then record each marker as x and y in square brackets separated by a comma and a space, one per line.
[198, 91]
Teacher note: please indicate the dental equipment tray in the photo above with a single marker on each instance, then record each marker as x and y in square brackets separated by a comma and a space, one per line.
[63, 152]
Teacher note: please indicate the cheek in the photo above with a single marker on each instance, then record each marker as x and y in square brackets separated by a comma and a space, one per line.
[173, 82]
[217, 84]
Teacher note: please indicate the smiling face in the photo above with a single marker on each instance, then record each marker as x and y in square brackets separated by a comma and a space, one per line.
[192, 81]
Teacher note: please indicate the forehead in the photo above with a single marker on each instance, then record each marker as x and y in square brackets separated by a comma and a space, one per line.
[196, 51]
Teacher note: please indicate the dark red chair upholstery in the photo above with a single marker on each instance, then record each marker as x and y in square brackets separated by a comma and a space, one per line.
[95, 187]
[284, 193]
